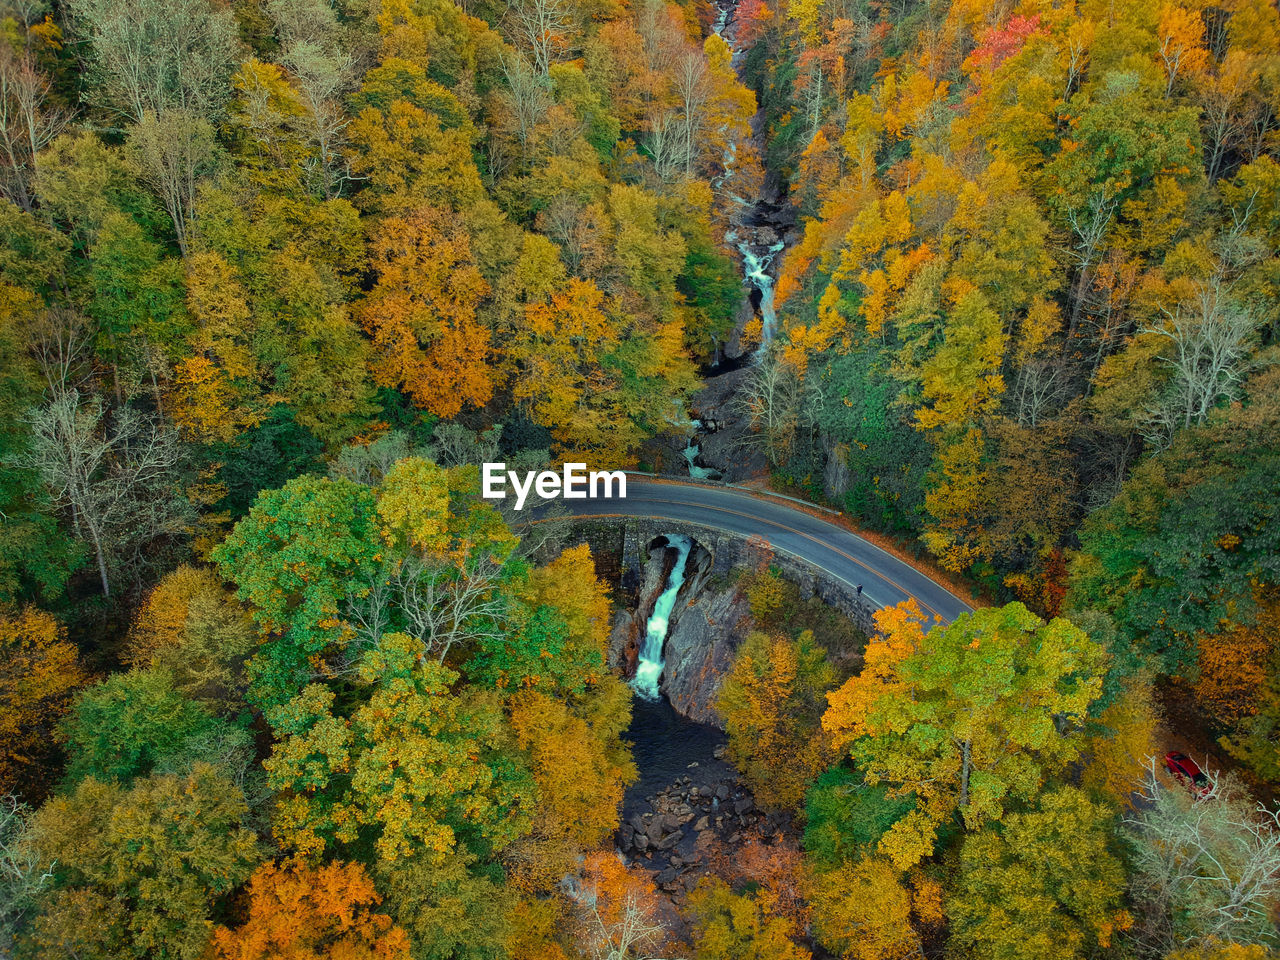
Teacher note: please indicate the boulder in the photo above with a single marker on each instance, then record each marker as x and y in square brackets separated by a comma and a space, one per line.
[671, 841]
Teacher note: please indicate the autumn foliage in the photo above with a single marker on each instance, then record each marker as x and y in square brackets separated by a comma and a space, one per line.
[278, 276]
[312, 913]
[39, 672]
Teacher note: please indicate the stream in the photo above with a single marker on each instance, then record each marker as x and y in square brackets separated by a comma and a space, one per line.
[758, 229]
[760, 224]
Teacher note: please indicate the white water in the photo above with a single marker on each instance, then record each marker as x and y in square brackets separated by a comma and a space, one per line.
[691, 452]
[757, 255]
[649, 667]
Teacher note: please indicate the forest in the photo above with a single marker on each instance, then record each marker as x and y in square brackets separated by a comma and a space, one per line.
[278, 276]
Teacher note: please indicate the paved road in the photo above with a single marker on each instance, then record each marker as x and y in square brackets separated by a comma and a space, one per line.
[885, 579]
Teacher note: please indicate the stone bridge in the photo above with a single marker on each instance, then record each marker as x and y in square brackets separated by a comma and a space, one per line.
[621, 546]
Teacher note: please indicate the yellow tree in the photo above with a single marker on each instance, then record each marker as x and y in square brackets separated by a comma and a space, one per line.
[1047, 884]
[580, 776]
[215, 393]
[422, 312]
[1181, 35]
[871, 910]
[416, 768]
[558, 353]
[1121, 740]
[771, 705]
[39, 671]
[980, 713]
[190, 626]
[730, 926]
[412, 159]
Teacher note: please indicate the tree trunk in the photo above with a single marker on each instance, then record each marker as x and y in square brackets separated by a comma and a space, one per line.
[102, 560]
[964, 776]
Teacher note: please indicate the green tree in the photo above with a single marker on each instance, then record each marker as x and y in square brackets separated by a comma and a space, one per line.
[416, 769]
[136, 723]
[265, 457]
[453, 910]
[968, 716]
[845, 818]
[297, 555]
[1045, 883]
[1190, 535]
[144, 865]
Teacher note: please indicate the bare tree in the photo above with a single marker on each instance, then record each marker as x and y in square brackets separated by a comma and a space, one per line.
[1206, 866]
[540, 28]
[61, 340]
[667, 142]
[175, 151]
[1077, 61]
[1089, 225]
[770, 400]
[323, 70]
[305, 21]
[369, 463]
[29, 121]
[322, 80]
[527, 94]
[1234, 115]
[1210, 336]
[22, 872]
[116, 475]
[1038, 389]
[692, 85]
[441, 601]
[151, 56]
[629, 930]
[453, 445]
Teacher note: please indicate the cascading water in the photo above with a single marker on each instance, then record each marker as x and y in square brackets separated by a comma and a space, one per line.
[757, 227]
[691, 452]
[650, 664]
[754, 238]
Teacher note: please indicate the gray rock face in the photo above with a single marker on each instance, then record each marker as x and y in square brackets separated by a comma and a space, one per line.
[700, 650]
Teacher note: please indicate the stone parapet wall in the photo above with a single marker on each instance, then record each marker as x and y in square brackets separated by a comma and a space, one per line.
[620, 546]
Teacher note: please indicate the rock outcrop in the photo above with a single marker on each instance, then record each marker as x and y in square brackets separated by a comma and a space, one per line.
[700, 650]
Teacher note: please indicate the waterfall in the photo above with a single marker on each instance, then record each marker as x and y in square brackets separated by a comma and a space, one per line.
[757, 271]
[758, 254]
[649, 667]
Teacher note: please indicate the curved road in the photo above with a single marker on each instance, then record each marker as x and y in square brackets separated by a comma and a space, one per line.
[844, 555]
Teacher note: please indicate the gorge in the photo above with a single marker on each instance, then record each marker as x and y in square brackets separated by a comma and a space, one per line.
[754, 203]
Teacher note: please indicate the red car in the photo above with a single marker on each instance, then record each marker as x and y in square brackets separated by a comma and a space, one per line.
[1186, 772]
